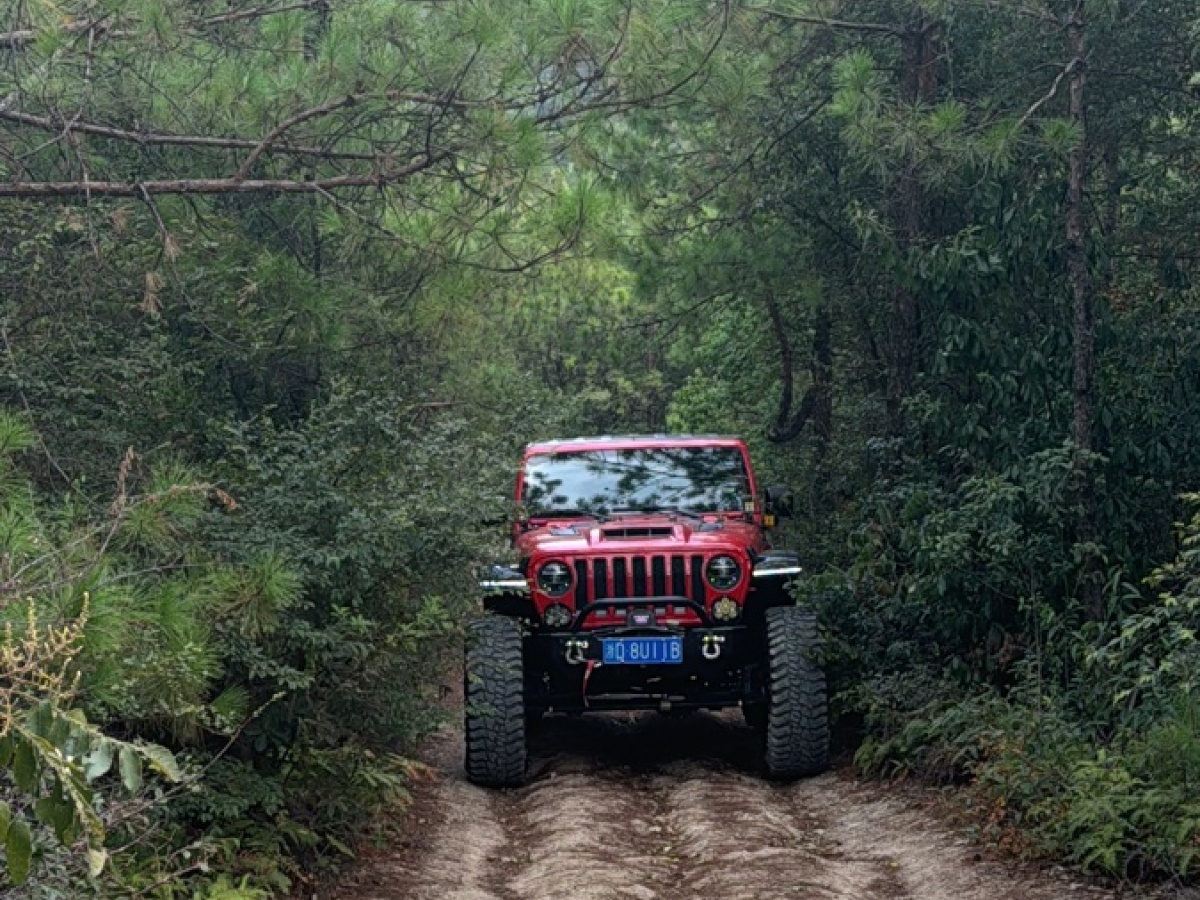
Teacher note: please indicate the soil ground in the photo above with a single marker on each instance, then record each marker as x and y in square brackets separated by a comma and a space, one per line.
[641, 807]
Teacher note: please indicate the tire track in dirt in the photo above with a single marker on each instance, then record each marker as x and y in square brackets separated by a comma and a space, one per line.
[588, 837]
[642, 808]
[917, 856]
[456, 841]
[740, 840]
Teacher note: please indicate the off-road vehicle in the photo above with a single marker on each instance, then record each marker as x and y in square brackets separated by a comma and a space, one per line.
[642, 578]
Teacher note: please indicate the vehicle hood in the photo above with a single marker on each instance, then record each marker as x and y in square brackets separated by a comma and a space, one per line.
[638, 533]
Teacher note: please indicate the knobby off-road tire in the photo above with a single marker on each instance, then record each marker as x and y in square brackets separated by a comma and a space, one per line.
[797, 726]
[495, 703]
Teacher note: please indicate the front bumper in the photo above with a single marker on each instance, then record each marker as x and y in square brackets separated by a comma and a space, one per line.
[565, 670]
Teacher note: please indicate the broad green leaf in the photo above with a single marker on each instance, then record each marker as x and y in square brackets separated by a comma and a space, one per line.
[131, 769]
[60, 732]
[99, 761]
[96, 857]
[340, 846]
[71, 782]
[161, 761]
[6, 751]
[18, 845]
[41, 720]
[5, 819]
[71, 833]
[43, 810]
[57, 810]
[25, 768]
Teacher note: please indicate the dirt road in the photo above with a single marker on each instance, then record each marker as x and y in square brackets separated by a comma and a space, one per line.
[644, 808]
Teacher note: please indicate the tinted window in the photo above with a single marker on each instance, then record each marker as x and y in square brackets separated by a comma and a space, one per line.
[689, 479]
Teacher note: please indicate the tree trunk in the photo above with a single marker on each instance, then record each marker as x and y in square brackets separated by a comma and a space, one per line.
[817, 403]
[1114, 182]
[822, 378]
[1083, 375]
[1083, 379]
[919, 83]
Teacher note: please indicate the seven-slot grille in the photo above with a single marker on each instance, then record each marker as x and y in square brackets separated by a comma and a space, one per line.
[650, 575]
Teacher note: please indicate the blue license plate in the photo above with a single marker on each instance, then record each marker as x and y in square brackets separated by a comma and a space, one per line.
[642, 651]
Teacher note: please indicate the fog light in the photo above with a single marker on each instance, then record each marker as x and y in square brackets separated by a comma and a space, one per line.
[557, 616]
[725, 610]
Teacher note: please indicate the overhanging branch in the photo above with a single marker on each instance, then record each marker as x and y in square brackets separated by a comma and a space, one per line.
[40, 190]
[1050, 94]
[257, 12]
[19, 38]
[45, 123]
[836, 24]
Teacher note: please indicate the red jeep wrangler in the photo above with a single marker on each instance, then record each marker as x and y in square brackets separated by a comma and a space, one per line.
[643, 580]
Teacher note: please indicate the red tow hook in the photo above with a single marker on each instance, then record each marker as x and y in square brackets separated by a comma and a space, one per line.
[587, 676]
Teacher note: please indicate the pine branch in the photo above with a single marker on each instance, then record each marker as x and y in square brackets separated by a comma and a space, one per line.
[271, 143]
[287, 124]
[46, 123]
[836, 24]
[16, 40]
[41, 190]
[1050, 95]
[257, 12]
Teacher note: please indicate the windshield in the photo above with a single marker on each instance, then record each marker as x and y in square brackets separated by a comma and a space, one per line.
[601, 482]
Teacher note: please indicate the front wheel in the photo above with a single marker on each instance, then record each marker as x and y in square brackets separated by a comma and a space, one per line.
[495, 703]
[797, 727]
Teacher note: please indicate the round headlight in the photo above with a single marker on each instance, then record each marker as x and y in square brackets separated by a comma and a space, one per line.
[723, 572]
[554, 578]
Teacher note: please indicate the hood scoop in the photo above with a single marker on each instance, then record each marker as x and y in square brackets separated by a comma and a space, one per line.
[638, 531]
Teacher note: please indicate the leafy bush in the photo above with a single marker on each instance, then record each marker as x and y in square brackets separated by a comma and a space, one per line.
[963, 573]
[52, 753]
[1112, 785]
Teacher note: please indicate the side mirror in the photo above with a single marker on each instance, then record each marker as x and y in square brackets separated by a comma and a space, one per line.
[779, 501]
